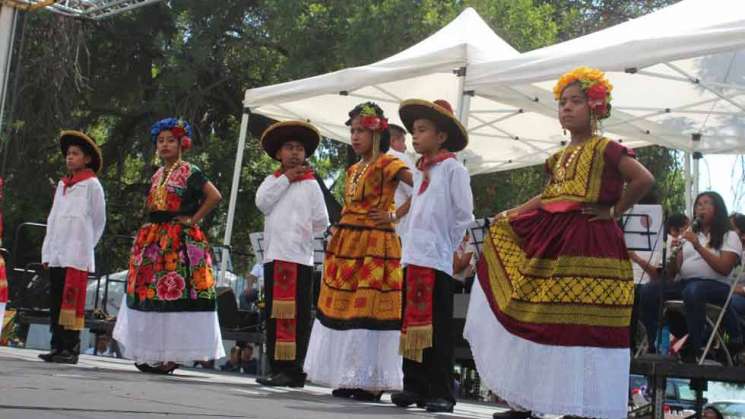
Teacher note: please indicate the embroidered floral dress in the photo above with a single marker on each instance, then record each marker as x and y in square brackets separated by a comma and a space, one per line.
[555, 291]
[171, 283]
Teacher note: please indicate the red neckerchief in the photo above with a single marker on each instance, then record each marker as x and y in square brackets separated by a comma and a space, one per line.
[426, 163]
[306, 176]
[77, 177]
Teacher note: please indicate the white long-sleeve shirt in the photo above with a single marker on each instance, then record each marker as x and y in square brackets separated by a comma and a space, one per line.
[294, 213]
[75, 225]
[438, 217]
[403, 192]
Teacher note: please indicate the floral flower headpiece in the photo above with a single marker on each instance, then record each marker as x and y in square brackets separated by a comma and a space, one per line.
[371, 117]
[178, 127]
[596, 87]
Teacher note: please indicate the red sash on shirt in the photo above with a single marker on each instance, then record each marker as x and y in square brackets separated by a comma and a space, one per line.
[416, 328]
[77, 177]
[309, 175]
[426, 163]
[283, 309]
[72, 311]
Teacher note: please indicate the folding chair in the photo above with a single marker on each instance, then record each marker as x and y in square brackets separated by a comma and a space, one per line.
[714, 317]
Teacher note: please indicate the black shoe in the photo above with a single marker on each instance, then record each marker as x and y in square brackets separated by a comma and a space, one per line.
[282, 380]
[513, 414]
[344, 393]
[146, 368]
[366, 396]
[48, 356]
[156, 369]
[65, 357]
[440, 405]
[407, 398]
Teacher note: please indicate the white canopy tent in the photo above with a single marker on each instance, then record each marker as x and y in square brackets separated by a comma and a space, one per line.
[432, 69]
[679, 77]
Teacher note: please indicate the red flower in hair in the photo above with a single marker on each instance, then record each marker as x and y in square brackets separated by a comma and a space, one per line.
[597, 96]
[374, 123]
[185, 143]
[178, 131]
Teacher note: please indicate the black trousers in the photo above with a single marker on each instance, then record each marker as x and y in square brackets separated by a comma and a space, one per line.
[62, 339]
[303, 297]
[433, 377]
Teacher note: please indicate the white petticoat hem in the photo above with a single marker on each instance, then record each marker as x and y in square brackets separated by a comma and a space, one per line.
[546, 379]
[356, 358]
[181, 337]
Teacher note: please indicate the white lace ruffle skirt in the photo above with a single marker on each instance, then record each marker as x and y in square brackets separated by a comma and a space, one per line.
[181, 337]
[356, 358]
[549, 380]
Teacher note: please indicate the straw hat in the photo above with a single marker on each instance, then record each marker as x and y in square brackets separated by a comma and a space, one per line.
[69, 137]
[279, 133]
[441, 113]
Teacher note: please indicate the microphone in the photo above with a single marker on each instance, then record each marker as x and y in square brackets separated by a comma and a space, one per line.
[696, 224]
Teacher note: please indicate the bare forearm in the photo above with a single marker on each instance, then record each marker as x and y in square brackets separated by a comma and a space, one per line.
[207, 206]
[530, 205]
[403, 209]
[635, 190]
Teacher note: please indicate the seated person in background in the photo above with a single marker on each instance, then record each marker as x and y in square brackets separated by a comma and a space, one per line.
[101, 348]
[248, 363]
[234, 363]
[208, 365]
[646, 265]
[464, 262]
[704, 263]
[254, 283]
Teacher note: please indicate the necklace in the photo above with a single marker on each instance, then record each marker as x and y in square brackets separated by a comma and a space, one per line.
[564, 163]
[160, 194]
[359, 173]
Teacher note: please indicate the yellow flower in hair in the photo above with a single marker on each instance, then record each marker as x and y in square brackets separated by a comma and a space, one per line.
[596, 87]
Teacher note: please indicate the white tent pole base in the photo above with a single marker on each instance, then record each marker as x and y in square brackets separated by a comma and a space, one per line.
[234, 194]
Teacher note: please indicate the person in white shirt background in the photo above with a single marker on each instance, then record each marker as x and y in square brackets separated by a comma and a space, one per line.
[101, 347]
[75, 224]
[708, 255]
[294, 209]
[647, 264]
[403, 191]
[253, 287]
[464, 263]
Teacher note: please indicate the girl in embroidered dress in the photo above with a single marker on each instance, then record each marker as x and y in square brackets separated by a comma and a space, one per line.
[354, 342]
[169, 313]
[548, 321]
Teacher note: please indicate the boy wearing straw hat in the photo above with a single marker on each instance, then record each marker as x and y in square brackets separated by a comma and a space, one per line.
[441, 211]
[74, 226]
[294, 209]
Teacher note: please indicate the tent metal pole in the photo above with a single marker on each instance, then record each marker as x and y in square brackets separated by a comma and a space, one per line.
[234, 193]
[464, 98]
[7, 33]
[696, 173]
[695, 142]
[687, 183]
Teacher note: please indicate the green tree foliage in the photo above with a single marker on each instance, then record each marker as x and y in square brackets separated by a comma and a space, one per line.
[194, 58]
